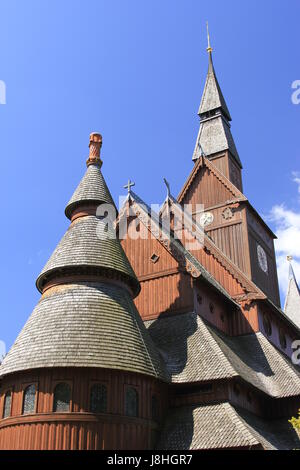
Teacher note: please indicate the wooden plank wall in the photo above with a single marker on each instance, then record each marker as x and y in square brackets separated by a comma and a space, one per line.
[80, 429]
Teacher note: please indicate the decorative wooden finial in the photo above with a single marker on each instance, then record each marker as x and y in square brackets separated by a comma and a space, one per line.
[129, 185]
[95, 147]
[209, 48]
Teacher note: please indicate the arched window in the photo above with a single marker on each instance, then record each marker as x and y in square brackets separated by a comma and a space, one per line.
[7, 405]
[98, 398]
[29, 399]
[131, 402]
[62, 397]
[155, 408]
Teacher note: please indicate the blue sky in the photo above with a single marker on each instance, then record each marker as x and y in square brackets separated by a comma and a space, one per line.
[134, 71]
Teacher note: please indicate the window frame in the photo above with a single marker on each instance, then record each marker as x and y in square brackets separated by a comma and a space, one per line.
[24, 386]
[105, 384]
[54, 385]
[11, 390]
[137, 389]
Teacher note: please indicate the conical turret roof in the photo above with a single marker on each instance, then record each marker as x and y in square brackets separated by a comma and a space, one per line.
[91, 189]
[86, 316]
[85, 325]
[86, 244]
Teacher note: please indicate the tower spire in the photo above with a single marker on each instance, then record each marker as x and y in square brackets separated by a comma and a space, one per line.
[214, 116]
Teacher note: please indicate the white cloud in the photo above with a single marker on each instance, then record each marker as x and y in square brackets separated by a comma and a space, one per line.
[287, 228]
[2, 350]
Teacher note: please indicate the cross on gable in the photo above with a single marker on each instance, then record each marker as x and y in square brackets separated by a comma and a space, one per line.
[129, 185]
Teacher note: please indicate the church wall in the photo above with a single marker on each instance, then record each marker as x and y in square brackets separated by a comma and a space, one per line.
[242, 395]
[221, 163]
[165, 294]
[244, 320]
[280, 335]
[258, 235]
[210, 307]
[235, 173]
[219, 272]
[141, 246]
[206, 189]
[79, 428]
[229, 238]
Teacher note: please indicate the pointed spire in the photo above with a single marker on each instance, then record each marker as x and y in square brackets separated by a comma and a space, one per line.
[214, 134]
[92, 189]
[86, 316]
[212, 98]
[292, 301]
[209, 50]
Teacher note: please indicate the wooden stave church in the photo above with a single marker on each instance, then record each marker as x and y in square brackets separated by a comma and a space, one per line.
[140, 343]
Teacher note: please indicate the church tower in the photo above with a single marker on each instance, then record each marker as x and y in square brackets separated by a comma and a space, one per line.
[216, 182]
[83, 373]
[214, 138]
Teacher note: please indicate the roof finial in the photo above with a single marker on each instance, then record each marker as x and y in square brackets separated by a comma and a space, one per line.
[95, 146]
[129, 185]
[209, 48]
[168, 188]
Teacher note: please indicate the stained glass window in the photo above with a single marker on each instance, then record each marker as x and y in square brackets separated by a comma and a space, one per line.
[62, 397]
[155, 408]
[7, 405]
[98, 398]
[131, 402]
[29, 400]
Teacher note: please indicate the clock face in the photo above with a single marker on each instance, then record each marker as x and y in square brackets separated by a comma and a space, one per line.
[206, 219]
[262, 259]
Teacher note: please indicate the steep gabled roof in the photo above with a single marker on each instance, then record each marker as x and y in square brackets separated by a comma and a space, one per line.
[222, 426]
[237, 195]
[195, 351]
[174, 246]
[211, 247]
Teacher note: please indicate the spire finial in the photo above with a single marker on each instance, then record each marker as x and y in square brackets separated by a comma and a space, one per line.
[209, 48]
[95, 147]
[168, 187]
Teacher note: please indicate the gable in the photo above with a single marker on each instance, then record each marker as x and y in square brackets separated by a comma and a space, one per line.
[140, 251]
[206, 185]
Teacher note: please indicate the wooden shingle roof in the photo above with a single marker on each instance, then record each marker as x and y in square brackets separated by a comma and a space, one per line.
[85, 325]
[92, 188]
[82, 246]
[195, 351]
[222, 426]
